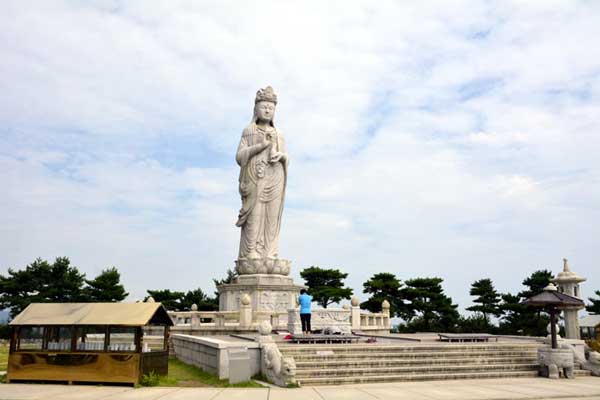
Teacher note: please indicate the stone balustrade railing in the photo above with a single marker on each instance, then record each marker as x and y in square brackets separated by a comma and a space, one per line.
[244, 318]
[374, 321]
[198, 319]
[343, 320]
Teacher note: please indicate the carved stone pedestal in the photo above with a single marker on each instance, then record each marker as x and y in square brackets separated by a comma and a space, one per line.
[552, 361]
[269, 294]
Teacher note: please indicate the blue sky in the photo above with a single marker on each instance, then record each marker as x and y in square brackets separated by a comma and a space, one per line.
[428, 139]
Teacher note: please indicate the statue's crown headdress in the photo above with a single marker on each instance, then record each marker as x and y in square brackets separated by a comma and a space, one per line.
[266, 94]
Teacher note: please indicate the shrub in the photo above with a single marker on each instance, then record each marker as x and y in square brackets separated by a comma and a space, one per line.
[150, 379]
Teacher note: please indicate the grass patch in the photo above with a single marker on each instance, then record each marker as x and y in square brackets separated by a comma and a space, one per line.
[182, 374]
[3, 356]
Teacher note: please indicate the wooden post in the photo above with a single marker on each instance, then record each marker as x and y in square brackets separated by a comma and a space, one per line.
[106, 337]
[73, 338]
[138, 339]
[13, 340]
[166, 339]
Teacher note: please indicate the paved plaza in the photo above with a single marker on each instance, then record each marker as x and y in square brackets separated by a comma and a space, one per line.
[523, 388]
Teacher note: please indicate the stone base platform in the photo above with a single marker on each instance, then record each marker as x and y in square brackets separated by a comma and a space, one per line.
[269, 293]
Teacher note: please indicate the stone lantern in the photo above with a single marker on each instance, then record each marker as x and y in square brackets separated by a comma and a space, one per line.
[553, 358]
[568, 283]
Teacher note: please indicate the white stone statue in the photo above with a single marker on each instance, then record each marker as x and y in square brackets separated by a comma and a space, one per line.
[263, 163]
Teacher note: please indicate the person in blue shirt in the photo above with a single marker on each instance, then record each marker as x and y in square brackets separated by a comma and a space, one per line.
[304, 299]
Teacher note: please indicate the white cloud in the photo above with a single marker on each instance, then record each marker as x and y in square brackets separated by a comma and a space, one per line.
[458, 141]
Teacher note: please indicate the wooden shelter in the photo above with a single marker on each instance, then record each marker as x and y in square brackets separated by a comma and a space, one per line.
[88, 342]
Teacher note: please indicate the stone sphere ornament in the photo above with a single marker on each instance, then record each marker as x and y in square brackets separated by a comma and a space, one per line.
[245, 299]
[265, 328]
[354, 301]
[194, 307]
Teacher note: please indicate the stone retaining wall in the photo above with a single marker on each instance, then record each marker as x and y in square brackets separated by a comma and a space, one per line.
[211, 354]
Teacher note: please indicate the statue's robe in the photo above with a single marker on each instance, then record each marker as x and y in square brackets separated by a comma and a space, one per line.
[262, 187]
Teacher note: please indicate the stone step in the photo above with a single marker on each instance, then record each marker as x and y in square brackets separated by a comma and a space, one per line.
[408, 356]
[417, 370]
[380, 348]
[340, 380]
[347, 363]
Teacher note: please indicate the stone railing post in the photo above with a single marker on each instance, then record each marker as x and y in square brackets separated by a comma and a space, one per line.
[219, 320]
[245, 311]
[195, 317]
[294, 325]
[385, 309]
[355, 313]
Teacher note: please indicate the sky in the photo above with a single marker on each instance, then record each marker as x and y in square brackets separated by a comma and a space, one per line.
[453, 139]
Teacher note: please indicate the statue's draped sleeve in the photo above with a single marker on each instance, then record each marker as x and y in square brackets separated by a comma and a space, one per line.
[247, 187]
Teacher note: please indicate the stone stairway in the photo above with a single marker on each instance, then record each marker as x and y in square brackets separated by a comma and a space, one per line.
[363, 363]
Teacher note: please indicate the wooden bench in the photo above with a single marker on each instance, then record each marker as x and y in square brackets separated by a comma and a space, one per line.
[466, 337]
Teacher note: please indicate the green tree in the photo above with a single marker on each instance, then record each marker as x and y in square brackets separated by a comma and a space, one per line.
[594, 307]
[229, 278]
[231, 275]
[473, 324]
[536, 282]
[326, 286]
[201, 299]
[383, 286]
[520, 319]
[428, 308]
[487, 299]
[535, 319]
[41, 282]
[172, 301]
[106, 287]
[514, 314]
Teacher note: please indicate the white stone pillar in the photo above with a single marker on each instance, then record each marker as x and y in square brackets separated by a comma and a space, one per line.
[294, 324]
[385, 309]
[195, 318]
[245, 311]
[355, 313]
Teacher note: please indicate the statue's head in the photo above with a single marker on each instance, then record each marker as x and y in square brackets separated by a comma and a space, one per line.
[264, 105]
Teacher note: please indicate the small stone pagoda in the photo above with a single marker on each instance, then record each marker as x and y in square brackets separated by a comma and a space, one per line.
[568, 283]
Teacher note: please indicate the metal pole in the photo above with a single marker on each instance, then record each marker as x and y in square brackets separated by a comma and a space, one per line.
[553, 327]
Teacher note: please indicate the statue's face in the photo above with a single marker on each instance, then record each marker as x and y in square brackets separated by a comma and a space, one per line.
[265, 111]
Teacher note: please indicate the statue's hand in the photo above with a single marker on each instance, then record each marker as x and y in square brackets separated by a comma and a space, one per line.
[266, 143]
[276, 157]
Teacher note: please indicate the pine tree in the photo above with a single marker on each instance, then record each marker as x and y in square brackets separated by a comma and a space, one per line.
[203, 301]
[172, 301]
[487, 298]
[382, 286]
[428, 308]
[106, 287]
[326, 286]
[594, 308]
[41, 282]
